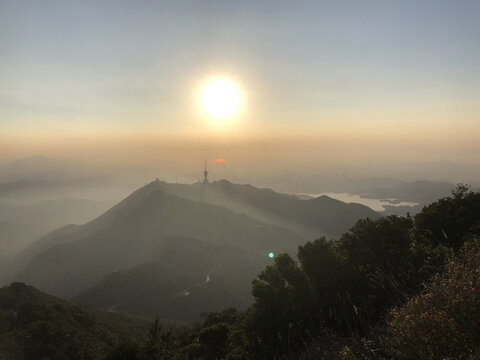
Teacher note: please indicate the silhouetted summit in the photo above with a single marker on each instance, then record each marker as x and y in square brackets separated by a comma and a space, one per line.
[71, 260]
[225, 226]
[310, 218]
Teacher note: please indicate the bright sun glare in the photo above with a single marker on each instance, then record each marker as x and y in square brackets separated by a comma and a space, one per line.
[220, 98]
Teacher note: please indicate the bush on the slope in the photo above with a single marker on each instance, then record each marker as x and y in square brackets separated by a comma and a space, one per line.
[444, 322]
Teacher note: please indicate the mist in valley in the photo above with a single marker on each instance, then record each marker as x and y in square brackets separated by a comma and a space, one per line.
[212, 180]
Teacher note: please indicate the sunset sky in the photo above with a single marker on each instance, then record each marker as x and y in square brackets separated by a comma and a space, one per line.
[361, 75]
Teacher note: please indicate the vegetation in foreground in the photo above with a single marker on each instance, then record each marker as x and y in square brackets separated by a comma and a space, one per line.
[34, 325]
[390, 288]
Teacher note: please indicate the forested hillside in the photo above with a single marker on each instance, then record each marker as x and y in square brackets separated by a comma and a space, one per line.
[187, 249]
[34, 325]
[391, 288]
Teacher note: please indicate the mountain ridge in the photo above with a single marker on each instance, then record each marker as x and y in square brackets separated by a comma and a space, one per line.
[125, 235]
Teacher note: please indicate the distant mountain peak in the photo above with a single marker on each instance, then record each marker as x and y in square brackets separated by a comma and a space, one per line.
[37, 157]
[30, 164]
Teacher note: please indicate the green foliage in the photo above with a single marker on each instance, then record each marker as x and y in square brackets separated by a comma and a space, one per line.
[322, 264]
[159, 342]
[281, 312]
[128, 350]
[214, 340]
[332, 283]
[229, 316]
[345, 288]
[221, 336]
[355, 298]
[192, 351]
[349, 299]
[379, 245]
[377, 269]
[449, 221]
[34, 325]
[444, 322]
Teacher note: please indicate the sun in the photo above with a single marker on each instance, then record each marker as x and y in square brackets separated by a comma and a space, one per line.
[220, 98]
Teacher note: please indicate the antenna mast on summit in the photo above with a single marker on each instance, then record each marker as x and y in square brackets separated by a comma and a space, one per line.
[205, 173]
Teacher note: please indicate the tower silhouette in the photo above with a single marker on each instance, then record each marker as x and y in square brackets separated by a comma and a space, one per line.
[205, 173]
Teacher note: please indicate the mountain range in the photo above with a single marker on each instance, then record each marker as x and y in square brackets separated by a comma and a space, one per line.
[164, 241]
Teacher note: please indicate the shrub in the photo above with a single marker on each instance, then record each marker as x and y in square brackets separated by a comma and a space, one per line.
[444, 322]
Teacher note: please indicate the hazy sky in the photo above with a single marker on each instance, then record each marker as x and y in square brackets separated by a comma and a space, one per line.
[364, 75]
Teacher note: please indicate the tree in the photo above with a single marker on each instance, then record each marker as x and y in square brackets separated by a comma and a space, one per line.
[127, 350]
[329, 280]
[159, 344]
[322, 264]
[450, 220]
[214, 341]
[280, 317]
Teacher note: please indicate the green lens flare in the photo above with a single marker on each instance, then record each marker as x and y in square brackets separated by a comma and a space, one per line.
[271, 255]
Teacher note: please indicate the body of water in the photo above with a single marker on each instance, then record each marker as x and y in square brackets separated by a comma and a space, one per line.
[375, 204]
